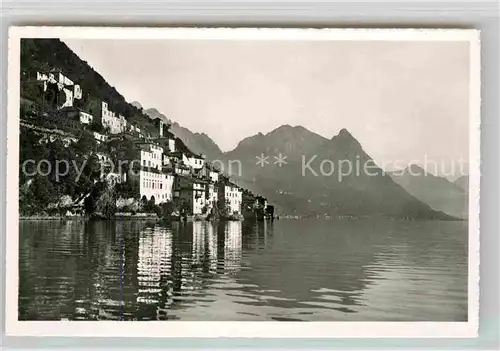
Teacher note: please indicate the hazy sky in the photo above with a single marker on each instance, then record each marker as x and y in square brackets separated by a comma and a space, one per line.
[401, 100]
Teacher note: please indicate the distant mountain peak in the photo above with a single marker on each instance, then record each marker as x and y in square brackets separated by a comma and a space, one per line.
[344, 137]
[153, 113]
[136, 104]
[345, 133]
[152, 109]
[281, 129]
[289, 131]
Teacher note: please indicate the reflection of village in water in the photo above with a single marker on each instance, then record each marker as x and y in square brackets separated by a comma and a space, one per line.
[135, 270]
[141, 273]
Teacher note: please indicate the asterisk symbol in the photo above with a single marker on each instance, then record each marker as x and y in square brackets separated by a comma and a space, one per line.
[280, 160]
[262, 160]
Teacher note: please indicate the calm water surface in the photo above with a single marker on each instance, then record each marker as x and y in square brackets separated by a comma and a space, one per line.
[338, 270]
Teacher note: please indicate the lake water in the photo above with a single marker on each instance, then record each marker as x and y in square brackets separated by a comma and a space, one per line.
[311, 270]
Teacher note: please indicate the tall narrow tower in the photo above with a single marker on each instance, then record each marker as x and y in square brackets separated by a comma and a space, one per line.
[161, 129]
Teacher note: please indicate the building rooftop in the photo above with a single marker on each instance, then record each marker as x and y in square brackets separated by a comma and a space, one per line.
[177, 154]
[192, 179]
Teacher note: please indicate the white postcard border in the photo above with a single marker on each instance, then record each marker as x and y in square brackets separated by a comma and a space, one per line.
[176, 329]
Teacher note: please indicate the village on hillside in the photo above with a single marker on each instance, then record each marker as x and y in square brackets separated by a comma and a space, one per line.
[140, 171]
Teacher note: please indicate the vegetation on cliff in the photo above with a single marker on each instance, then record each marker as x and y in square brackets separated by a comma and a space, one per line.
[52, 54]
[50, 170]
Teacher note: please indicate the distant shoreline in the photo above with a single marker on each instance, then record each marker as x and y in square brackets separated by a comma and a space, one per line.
[154, 217]
[85, 218]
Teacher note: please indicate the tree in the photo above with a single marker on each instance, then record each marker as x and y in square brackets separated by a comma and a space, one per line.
[185, 207]
[32, 91]
[149, 205]
[106, 204]
[125, 190]
[90, 173]
[122, 150]
[168, 208]
[93, 202]
[89, 204]
[43, 192]
[86, 144]
[204, 210]
[223, 208]
[94, 106]
[96, 126]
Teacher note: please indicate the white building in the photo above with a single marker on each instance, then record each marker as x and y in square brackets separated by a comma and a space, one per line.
[155, 185]
[152, 156]
[75, 113]
[171, 145]
[85, 118]
[213, 196]
[123, 123]
[71, 90]
[199, 199]
[100, 137]
[164, 133]
[232, 196]
[191, 191]
[160, 125]
[194, 161]
[214, 176]
[111, 120]
[133, 128]
[149, 179]
[55, 77]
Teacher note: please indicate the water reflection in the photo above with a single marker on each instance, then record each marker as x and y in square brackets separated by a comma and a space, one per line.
[211, 241]
[232, 247]
[287, 270]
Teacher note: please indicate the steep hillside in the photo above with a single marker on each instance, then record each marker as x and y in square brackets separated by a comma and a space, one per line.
[52, 54]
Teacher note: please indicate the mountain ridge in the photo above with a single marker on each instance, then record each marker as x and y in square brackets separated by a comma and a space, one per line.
[438, 192]
[295, 192]
[319, 190]
[463, 182]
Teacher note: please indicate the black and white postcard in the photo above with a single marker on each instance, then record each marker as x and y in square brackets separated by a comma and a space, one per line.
[245, 182]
